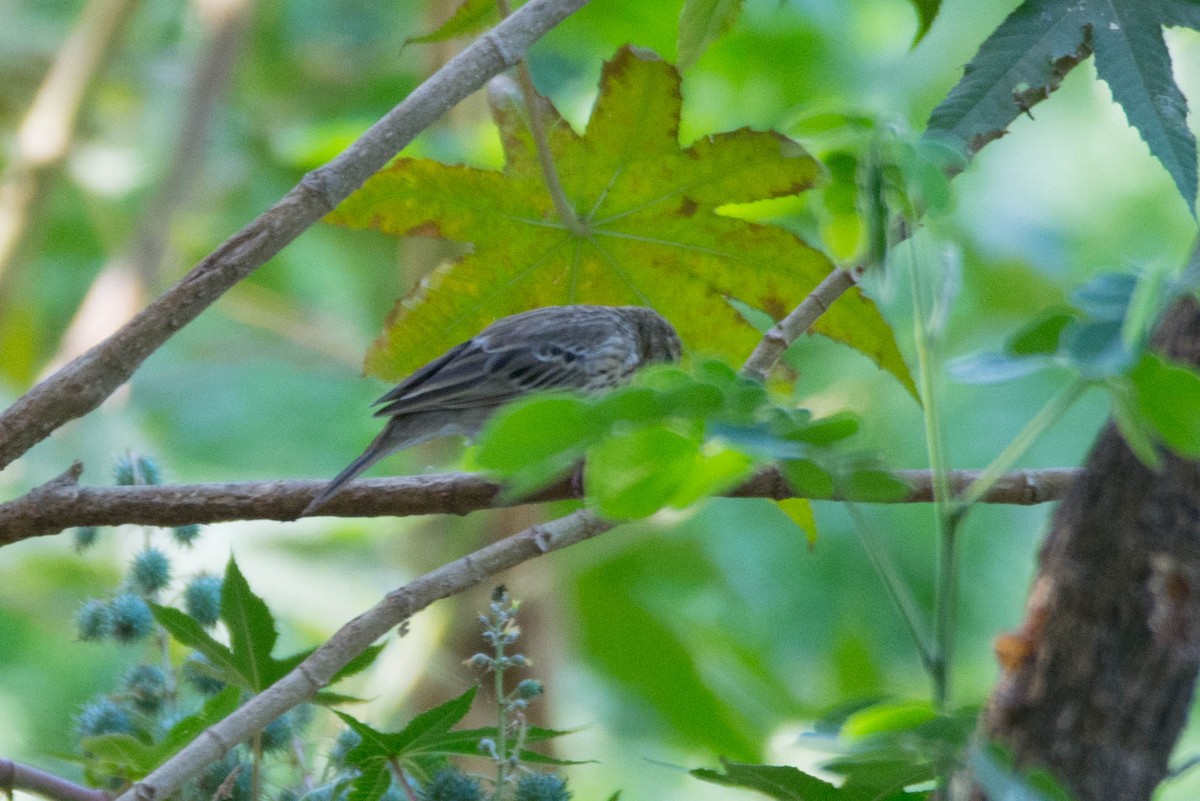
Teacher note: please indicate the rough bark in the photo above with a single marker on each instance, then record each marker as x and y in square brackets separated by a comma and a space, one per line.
[1098, 681]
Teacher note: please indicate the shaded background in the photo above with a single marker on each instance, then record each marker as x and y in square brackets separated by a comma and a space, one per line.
[698, 634]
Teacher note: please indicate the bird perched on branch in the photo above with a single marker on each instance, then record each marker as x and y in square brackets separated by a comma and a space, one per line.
[583, 348]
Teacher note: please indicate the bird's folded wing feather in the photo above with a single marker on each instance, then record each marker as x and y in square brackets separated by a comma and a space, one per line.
[483, 372]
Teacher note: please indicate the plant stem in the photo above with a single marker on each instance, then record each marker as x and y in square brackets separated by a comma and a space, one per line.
[562, 205]
[1046, 417]
[402, 779]
[501, 722]
[898, 591]
[946, 584]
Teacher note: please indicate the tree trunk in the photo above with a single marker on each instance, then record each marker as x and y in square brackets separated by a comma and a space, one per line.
[1098, 681]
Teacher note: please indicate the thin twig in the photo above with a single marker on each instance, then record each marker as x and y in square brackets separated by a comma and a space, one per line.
[82, 385]
[352, 639]
[62, 503]
[15, 776]
[773, 344]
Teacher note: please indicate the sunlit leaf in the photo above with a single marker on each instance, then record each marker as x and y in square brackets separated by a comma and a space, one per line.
[636, 474]
[653, 232]
[1137, 432]
[800, 512]
[888, 717]
[1168, 398]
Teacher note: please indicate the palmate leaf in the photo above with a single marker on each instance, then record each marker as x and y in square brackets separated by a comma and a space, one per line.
[653, 236]
[1027, 56]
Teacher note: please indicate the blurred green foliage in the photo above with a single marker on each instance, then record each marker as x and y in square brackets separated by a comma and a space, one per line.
[674, 640]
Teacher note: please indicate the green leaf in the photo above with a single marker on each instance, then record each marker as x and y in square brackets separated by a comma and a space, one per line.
[121, 754]
[888, 717]
[129, 757]
[373, 780]
[1040, 337]
[633, 475]
[1137, 432]
[1022, 61]
[1026, 58]
[629, 405]
[535, 440]
[700, 24]
[800, 512]
[1146, 303]
[827, 430]
[715, 470]
[359, 663]
[251, 627]
[1168, 398]
[875, 486]
[187, 631]
[469, 18]
[215, 709]
[1106, 297]
[1132, 58]
[419, 737]
[654, 231]
[1096, 348]
[807, 478]
[927, 11]
[623, 627]
[782, 782]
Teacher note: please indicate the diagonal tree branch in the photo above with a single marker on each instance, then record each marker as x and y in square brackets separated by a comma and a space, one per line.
[315, 672]
[62, 503]
[84, 383]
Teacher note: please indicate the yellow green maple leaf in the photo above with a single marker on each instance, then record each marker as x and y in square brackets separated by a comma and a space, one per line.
[652, 236]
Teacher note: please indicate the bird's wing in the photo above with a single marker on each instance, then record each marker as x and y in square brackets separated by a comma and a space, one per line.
[492, 370]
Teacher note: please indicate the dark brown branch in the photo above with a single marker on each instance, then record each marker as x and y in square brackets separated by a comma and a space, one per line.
[15, 776]
[84, 383]
[63, 504]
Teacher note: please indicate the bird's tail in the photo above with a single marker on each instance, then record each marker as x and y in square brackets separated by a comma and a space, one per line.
[380, 447]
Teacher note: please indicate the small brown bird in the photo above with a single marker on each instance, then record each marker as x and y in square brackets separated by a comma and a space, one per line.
[584, 348]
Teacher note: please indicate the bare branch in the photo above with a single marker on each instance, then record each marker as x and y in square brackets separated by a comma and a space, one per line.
[63, 504]
[771, 347]
[315, 672]
[15, 776]
[83, 384]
